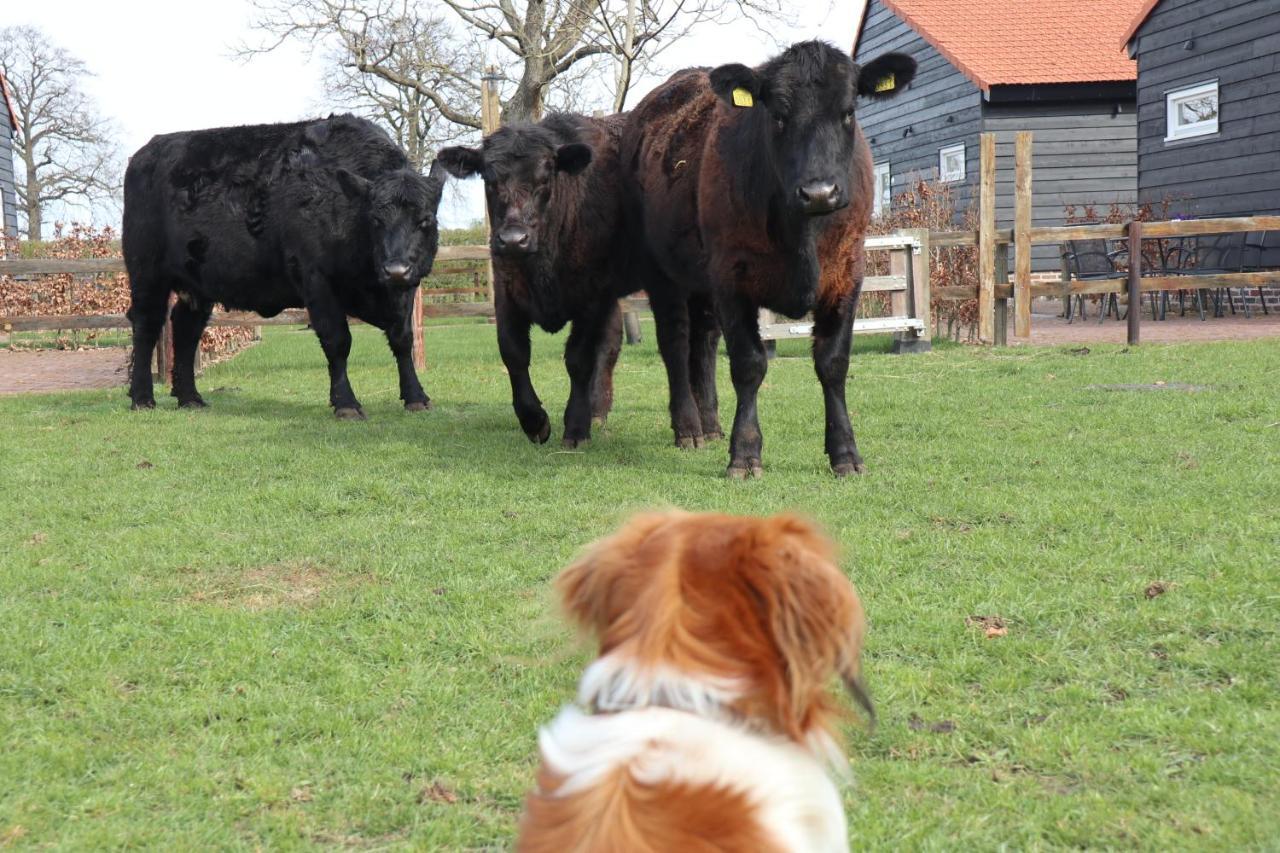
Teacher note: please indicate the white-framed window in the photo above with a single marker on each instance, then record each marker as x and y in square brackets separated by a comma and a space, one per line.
[1191, 111]
[883, 190]
[951, 163]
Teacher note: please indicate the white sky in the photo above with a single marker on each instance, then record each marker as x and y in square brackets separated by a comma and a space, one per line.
[166, 65]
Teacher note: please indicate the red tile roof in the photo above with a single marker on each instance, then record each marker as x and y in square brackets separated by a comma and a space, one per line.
[995, 42]
[8, 102]
[1132, 30]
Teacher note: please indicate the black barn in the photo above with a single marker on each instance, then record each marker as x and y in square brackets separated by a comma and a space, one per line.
[8, 196]
[1053, 67]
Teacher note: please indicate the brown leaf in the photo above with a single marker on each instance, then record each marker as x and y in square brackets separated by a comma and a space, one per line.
[1155, 589]
[38, 539]
[437, 793]
[144, 465]
[302, 793]
[993, 631]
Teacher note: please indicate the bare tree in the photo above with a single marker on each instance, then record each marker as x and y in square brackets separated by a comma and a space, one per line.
[551, 46]
[411, 47]
[67, 152]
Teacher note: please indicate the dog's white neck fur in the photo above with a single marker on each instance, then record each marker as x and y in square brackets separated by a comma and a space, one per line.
[663, 725]
[613, 683]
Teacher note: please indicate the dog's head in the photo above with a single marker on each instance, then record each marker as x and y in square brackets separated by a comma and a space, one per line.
[753, 612]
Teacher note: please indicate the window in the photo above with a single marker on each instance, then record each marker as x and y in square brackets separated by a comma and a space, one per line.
[883, 191]
[1192, 111]
[951, 163]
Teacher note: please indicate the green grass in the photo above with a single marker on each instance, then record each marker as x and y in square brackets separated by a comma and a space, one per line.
[255, 625]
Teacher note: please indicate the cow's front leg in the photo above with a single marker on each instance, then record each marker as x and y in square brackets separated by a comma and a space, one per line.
[190, 315]
[582, 353]
[832, 336]
[329, 321]
[671, 315]
[513, 346]
[400, 339]
[704, 341]
[747, 365]
[607, 360]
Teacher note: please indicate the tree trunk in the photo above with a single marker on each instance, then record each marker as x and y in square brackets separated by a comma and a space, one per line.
[35, 222]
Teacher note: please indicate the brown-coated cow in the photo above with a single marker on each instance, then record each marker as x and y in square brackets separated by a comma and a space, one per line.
[753, 188]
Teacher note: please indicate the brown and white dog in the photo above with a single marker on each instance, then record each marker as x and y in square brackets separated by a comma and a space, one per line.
[705, 723]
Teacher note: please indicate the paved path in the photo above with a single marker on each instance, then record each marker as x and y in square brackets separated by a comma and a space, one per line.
[1049, 329]
[24, 371]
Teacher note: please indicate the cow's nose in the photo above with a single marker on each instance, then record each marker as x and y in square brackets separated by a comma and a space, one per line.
[819, 196]
[514, 237]
[397, 271]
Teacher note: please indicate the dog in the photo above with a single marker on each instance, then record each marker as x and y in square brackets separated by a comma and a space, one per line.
[705, 722]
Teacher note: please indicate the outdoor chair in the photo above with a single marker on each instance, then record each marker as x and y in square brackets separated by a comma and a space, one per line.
[1091, 260]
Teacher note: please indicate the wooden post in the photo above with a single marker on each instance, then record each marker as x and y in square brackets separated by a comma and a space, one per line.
[1022, 234]
[419, 348]
[1135, 280]
[630, 322]
[490, 120]
[987, 239]
[899, 264]
[921, 294]
[1001, 314]
[164, 346]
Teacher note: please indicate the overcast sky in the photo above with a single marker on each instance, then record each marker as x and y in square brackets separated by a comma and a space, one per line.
[166, 65]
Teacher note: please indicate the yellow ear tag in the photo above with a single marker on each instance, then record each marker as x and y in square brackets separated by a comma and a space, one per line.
[742, 98]
[886, 84]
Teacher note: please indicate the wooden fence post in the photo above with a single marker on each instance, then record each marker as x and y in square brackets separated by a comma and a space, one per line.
[987, 238]
[1001, 313]
[1135, 280]
[164, 346]
[1022, 234]
[415, 317]
[920, 292]
[490, 120]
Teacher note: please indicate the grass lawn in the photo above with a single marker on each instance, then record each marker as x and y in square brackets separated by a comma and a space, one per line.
[255, 625]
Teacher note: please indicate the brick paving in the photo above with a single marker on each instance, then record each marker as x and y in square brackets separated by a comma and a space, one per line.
[26, 371]
[1048, 329]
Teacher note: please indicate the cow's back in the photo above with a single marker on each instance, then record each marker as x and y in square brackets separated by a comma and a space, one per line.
[664, 149]
[213, 211]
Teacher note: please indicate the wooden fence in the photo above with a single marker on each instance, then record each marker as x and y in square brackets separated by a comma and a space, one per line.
[164, 351]
[993, 290]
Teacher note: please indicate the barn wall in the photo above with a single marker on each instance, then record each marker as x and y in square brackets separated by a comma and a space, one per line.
[1236, 171]
[1083, 153]
[942, 107]
[8, 198]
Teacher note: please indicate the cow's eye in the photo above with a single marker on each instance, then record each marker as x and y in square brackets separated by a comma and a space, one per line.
[427, 221]
[847, 118]
[779, 123]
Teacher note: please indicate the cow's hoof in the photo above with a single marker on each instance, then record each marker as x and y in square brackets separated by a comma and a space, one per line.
[418, 406]
[713, 434]
[140, 405]
[848, 469]
[744, 469]
[574, 443]
[349, 413]
[196, 402]
[691, 442]
[542, 434]
[598, 420]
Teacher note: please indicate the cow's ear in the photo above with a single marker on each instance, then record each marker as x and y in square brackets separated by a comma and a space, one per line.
[437, 173]
[461, 162]
[737, 85]
[573, 158]
[886, 75]
[353, 185]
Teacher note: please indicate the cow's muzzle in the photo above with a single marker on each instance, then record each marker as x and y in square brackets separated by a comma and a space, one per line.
[398, 274]
[513, 240]
[819, 197]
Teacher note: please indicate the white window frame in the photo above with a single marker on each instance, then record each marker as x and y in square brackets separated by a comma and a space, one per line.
[1175, 132]
[943, 175]
[884, 198]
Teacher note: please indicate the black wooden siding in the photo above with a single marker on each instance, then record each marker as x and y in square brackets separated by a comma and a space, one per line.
[1083, 153]
[942, 107]
[1084, 150]
[8, 198]
[1236, 171]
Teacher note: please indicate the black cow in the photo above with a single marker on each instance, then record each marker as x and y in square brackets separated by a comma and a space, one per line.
[324, 214]
[559, 256]
[753, 188]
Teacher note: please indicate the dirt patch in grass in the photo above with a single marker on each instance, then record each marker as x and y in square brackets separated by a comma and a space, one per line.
[274, 586]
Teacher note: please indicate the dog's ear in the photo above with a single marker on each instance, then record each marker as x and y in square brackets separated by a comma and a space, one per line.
[810, 608]
[597, 587]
